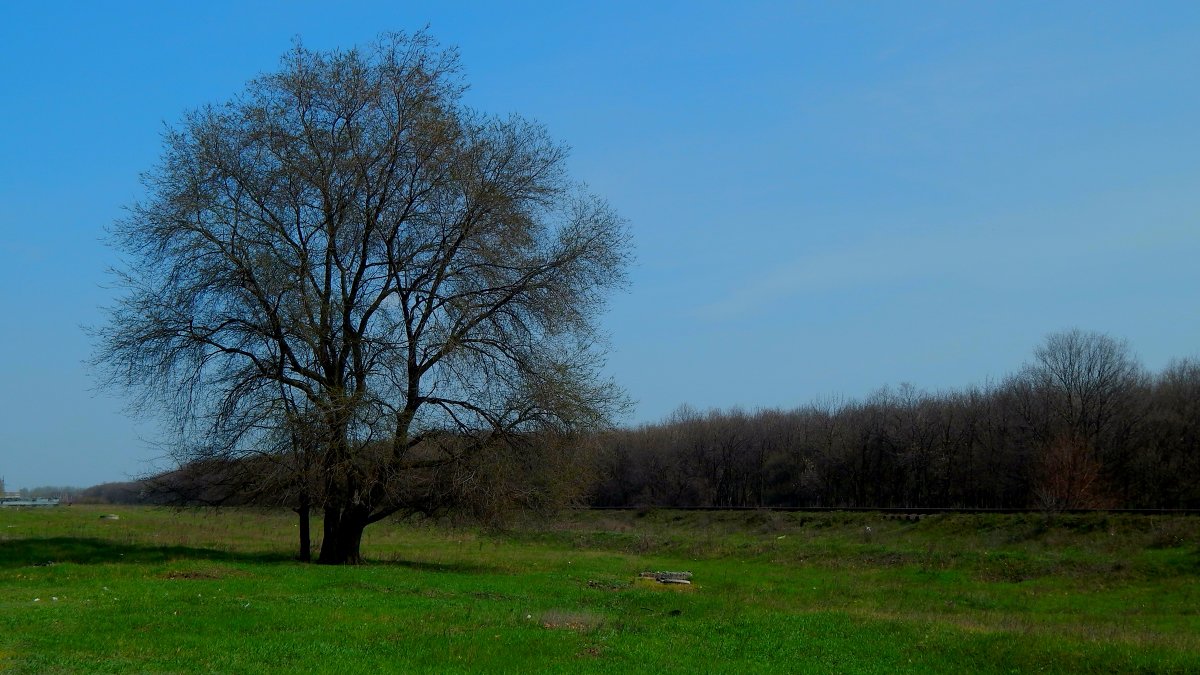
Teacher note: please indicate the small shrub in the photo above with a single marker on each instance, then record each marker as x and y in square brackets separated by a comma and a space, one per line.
[1168, 534]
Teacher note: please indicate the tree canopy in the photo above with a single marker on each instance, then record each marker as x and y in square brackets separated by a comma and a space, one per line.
[347, 274]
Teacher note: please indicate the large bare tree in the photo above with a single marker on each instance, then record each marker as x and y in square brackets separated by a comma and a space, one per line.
[346, 263]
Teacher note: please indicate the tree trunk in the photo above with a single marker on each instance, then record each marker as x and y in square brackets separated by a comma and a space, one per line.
[305, 534]
[343, 536]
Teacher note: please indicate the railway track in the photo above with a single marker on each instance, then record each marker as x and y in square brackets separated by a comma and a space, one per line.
[914, 510]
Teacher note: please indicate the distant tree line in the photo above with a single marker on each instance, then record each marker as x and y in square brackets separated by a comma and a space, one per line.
[126, 492]
[47, 492]
[539, 473]
[1081, 425]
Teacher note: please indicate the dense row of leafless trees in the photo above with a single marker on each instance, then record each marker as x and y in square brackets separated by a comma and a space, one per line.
[1081, 425]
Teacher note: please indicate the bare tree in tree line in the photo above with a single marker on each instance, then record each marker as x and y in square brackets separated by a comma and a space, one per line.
[1090, 387]
[1068, 477]
[346, 263]
[1089, 373]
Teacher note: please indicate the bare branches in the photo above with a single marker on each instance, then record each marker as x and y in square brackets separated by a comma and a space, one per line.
[344, 254]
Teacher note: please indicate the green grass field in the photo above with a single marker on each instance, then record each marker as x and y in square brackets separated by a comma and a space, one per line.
[201, 591]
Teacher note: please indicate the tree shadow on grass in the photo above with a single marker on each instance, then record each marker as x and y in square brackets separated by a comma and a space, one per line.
[91, 551]
[452, 567]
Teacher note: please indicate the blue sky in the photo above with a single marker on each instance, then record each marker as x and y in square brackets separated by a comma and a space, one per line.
[825, 197]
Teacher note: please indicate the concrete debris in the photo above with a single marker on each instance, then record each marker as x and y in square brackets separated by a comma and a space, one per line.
[668, 577]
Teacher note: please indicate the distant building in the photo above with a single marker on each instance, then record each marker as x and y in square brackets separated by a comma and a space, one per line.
[15, 499]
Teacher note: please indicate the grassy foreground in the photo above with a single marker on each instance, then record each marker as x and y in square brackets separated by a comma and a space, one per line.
[200, 591]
